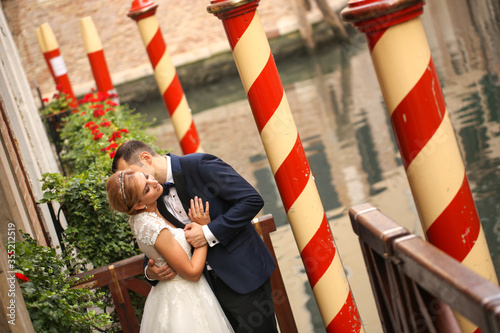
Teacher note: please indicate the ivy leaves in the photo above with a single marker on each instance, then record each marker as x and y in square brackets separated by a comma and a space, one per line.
[52, 304]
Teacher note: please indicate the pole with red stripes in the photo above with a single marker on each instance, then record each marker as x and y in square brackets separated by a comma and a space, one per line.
[289, 164]
[422, 126]
[95, 53]
[43, 48]
[143, 12]
[57, 65]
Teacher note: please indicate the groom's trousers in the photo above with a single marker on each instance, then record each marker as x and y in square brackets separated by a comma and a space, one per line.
[249, 313]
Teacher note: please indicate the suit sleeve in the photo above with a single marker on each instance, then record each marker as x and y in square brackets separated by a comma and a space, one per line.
[144, 264]
[240, 200]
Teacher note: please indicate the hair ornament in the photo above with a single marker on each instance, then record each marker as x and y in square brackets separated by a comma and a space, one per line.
[122, 186]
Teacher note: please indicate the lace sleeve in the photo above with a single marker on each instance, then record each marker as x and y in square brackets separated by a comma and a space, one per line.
[147, 227]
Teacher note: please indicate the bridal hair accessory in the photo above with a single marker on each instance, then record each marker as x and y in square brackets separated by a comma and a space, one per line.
[122, 186]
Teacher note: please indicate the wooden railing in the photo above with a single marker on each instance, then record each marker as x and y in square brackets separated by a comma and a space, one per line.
[121, 277]
[264, 226]
[415, 284]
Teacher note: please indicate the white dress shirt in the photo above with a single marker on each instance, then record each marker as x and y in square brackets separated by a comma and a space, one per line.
[174, 206]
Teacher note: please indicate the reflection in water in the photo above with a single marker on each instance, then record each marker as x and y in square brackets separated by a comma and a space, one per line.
[341, 118]
[368, 153]
[479, 133]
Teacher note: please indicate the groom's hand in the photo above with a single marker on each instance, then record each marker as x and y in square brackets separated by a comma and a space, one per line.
[194, 235]
[163, 273]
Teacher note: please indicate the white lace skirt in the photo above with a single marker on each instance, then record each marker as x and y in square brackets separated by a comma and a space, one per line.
[181, 306]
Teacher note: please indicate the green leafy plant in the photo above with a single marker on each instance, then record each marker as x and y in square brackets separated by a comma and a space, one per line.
[58, 103]
[99, 235]
[92, 135]
[95, 234]
[52, 303]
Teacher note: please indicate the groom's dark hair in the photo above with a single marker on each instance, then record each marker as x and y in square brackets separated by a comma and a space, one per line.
[130, 152]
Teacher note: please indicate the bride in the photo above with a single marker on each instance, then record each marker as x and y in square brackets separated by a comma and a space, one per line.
[185, 303]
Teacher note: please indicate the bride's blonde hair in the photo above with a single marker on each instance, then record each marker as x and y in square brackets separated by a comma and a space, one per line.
[123, 192]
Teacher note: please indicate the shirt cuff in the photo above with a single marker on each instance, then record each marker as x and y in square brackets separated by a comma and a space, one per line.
[146, 275]
[209, 236]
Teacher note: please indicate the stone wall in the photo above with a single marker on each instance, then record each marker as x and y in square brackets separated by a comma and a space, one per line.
[190, 32]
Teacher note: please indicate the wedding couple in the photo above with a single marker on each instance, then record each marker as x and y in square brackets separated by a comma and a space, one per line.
[209, 208]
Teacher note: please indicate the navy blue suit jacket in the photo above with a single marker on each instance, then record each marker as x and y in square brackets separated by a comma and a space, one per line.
[241, 259]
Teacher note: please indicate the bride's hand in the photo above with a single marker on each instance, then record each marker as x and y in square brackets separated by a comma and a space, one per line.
[197, 213]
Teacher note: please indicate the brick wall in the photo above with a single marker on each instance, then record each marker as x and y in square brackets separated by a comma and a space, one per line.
[191, 34]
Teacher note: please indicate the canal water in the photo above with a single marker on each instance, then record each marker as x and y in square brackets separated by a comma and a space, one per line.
[340, 115]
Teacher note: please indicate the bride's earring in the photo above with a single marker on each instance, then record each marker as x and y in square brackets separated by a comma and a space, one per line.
[145, 207]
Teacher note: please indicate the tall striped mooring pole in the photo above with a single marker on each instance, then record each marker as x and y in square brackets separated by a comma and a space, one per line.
[55, 61]
[422, 127]
[289, 164]
[144, 13]
[95, 53]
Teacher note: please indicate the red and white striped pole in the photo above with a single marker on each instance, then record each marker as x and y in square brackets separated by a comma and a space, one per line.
[143, 12]
[95, 53]
[289, 164]
[57, 65]
[422, 126]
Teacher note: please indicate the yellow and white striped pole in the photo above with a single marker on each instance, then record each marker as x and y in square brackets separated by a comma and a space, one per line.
[423, 130]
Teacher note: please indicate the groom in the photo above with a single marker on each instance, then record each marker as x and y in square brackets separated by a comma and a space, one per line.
[238, 263]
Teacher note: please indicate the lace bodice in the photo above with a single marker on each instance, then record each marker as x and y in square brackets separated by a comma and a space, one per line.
[146, 227]
[176, 305]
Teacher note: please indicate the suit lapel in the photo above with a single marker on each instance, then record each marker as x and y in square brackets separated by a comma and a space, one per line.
[166, 214]
[180, 186]
[181, 190]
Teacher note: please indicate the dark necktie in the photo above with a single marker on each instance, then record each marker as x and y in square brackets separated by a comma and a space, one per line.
[167, 186]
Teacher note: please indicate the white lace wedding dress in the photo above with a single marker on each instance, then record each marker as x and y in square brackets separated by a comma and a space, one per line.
[177, 305]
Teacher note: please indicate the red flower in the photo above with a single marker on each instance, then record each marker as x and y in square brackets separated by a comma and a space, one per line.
[56, 95]
[10, 253]
[102, 96]
[83, 113]
[114, 135]
[109, 109]
[59, 87]
[123, 130]
[93, 127]
[105, 123]
[98, 113]
[45, 100]
[92, 89]
[111, 103]
[22, 277]
[95, 131]
[98, 136]
[112, 146]
[89, 123]
[112, 154]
